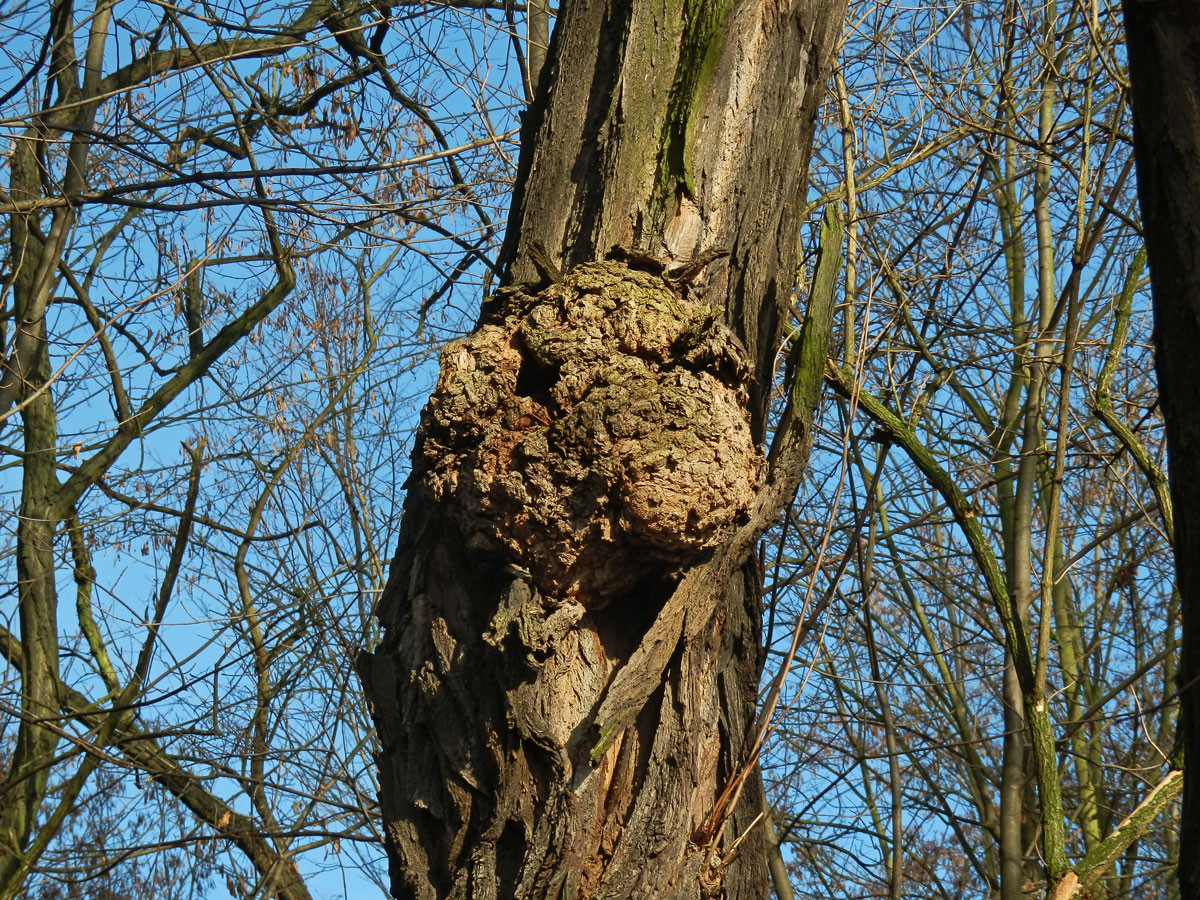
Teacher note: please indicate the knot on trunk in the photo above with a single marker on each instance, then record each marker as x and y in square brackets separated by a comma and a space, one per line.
[593, 432]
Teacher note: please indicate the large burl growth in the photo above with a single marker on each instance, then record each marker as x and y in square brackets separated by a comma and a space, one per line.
[593, 432]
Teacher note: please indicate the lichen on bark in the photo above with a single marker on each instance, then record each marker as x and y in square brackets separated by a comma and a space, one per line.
[593, 432]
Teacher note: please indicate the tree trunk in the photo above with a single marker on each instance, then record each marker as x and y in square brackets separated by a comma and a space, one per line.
[567, 681]
[24, 785]
[1163, 39]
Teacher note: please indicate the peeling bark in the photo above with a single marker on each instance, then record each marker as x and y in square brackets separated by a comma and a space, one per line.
[592, 459]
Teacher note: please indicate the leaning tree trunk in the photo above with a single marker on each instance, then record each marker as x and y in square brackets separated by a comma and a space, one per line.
[1163, 38]
[566, 686]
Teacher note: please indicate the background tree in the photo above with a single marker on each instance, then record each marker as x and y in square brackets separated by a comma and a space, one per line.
[996, 453]
[199, 399]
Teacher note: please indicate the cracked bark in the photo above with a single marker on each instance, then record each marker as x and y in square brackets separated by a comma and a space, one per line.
[589, 473]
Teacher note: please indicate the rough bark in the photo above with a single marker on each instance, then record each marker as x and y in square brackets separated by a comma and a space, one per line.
[24, 785]
[1164, 64]
[588, 477]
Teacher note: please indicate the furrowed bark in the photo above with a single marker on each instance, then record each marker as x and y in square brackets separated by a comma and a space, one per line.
[588, 480]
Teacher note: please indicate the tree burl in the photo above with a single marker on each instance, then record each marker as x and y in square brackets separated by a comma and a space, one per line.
[593, 431]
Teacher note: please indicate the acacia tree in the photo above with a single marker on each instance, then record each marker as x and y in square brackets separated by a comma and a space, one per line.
[566, 686]
[589, 455]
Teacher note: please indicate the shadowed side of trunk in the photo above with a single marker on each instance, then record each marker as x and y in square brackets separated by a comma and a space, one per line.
[588, 478]
[1163, 39]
